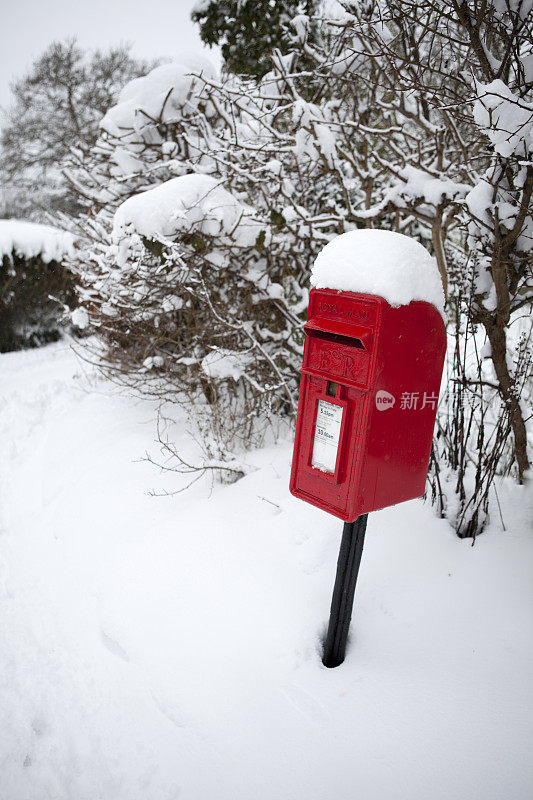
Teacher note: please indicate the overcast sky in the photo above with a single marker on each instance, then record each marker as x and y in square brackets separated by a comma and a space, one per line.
[154, 27]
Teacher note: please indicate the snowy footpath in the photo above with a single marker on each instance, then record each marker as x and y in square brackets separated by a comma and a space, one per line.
[156, 648]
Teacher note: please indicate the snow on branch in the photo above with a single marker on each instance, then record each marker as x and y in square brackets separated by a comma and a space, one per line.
[180, 205]
[165, 94]
[505, 118]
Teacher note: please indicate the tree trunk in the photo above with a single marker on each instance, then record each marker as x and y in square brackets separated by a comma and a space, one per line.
[498, 342]
[438, 247]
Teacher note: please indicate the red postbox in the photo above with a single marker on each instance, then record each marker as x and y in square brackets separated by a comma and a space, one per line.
[368, 398]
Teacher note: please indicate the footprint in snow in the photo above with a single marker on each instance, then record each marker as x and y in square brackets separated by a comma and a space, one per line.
[306, 704]
[113, 646]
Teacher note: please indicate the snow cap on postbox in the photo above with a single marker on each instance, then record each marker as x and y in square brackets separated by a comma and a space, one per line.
[381, 263]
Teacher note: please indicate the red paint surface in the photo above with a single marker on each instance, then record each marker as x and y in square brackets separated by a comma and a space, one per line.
[365, 346]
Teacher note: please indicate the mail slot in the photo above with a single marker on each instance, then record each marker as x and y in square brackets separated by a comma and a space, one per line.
[369, 388]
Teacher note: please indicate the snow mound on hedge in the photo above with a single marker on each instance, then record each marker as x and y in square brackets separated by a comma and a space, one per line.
[30, 240]
[382, 263]
[222, 364]
[189, 202]
[165, 93]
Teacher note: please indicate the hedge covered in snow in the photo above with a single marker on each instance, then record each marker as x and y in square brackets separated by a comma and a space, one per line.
[35, 287]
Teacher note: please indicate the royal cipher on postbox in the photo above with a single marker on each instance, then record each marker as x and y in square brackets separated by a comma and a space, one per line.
[368, 398]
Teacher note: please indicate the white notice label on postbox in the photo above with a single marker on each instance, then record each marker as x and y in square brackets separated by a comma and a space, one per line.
[327, 435]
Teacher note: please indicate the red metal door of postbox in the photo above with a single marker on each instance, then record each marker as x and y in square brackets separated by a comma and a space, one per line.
[337, 364]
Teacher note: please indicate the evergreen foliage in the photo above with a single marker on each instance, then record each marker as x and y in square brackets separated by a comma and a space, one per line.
[33, 297]
[248, 31]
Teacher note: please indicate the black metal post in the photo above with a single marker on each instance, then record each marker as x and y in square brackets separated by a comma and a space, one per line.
[353, 537]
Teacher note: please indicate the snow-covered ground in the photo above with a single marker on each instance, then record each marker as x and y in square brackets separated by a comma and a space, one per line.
[161, 648]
